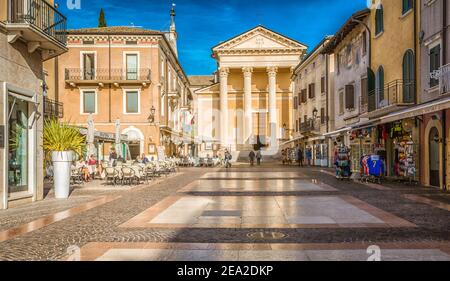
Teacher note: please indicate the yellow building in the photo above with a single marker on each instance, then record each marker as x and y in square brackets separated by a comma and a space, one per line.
[250, 106]
[393, 55]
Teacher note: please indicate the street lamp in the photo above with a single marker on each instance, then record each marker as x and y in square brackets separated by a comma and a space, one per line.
[315, 112]
[151, 117]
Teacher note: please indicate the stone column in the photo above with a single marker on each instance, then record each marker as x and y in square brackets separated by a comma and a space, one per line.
[272, 73]
[248, 122]
[224, 106]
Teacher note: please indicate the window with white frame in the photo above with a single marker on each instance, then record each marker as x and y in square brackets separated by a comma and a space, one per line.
[131, 102]
[88, 102]
[132, 66]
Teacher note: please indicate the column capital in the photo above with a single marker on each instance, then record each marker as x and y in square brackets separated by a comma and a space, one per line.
[224, 71]
[272, 70]
[247, 71]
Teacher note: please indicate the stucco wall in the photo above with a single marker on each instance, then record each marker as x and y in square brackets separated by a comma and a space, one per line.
[432, 26]
[389, 47]
[23, 70]
[349, 75]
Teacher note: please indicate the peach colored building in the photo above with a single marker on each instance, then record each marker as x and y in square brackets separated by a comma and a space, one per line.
[128, 80]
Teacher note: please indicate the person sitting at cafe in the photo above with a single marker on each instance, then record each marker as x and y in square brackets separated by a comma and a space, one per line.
[144, 159]
[92, 165]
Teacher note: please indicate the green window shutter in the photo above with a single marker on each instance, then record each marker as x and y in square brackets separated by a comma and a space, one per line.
[371, 89]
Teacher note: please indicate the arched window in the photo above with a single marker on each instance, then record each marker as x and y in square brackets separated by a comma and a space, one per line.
[379, 24]
[380, 85]
[408, 77]
[407, 5]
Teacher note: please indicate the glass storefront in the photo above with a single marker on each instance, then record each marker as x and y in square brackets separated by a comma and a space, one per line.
[18, 145]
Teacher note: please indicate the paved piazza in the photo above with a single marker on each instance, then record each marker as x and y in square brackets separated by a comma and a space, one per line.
[262, 213]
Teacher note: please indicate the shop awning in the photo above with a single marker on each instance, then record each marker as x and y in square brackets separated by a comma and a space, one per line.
[317, 138]
[366, 124]
[337, 132]
[418, 110]
[292, 140]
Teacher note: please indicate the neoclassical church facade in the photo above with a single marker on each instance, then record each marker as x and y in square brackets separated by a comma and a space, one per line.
[249, 105]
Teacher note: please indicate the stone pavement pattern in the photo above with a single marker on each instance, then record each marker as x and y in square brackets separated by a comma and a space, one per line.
[270, 212]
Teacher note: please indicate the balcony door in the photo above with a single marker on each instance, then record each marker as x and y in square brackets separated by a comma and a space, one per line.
[132, 66]
[88, 63]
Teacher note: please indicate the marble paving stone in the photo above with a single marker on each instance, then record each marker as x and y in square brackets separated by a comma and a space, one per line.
[387, 255]
[272, 255]
[280, 185]
[310, 220]
[136, 255]
[252, 175]
[204, 255]
[221, 213]
[264, 220]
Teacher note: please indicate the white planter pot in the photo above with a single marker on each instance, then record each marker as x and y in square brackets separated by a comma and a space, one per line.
[62, 162]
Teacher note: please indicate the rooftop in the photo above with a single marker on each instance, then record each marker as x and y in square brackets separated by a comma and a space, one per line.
[201, 80]
[115, 30]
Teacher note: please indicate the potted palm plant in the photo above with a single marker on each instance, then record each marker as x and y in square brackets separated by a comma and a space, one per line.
[63, 142]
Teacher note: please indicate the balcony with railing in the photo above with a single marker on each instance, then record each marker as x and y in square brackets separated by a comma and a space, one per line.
[443, 75]
[311, 126]
[39, 24]
[53, 109]
[393, 96]
[119, 76]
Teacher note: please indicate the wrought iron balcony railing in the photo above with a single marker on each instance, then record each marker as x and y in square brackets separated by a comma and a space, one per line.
[397, 92]
[443, 76]
[53, 108]
[108, 75]
[41, 15]
[311, 125]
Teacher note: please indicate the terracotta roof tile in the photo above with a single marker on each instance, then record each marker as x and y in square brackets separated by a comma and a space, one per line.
[119, 30]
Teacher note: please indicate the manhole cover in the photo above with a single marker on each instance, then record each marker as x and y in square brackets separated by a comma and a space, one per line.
[266, 235]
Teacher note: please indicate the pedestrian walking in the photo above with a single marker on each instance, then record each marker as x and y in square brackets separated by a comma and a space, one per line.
[227, 158]
[300, 156]
[308, 153]
[251, 157]
[258, 157]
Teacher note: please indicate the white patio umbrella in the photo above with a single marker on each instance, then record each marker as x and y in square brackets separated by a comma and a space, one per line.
[117, 139]
[90, 135]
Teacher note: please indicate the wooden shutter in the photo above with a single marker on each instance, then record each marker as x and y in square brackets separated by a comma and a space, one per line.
[349, 97]
[322, 115]
[322, 85]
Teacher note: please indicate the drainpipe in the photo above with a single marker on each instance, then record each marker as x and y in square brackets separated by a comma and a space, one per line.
[415, 7]
[369, 34]
[444, 112]
[109, 77]
[444, 146]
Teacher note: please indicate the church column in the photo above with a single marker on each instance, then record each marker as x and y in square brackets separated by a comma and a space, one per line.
[272, 73]
[224, 106]
[248, 122]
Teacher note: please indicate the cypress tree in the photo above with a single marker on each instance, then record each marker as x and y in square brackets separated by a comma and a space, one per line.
[101, 19]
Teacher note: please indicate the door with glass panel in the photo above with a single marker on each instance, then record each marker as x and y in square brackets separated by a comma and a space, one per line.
[132, 64]
[18, 154]
[88, 66]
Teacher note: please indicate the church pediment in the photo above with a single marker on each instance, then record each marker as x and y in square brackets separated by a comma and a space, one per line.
[259, 38]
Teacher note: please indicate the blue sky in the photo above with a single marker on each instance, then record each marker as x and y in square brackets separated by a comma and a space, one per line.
[201, 24]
